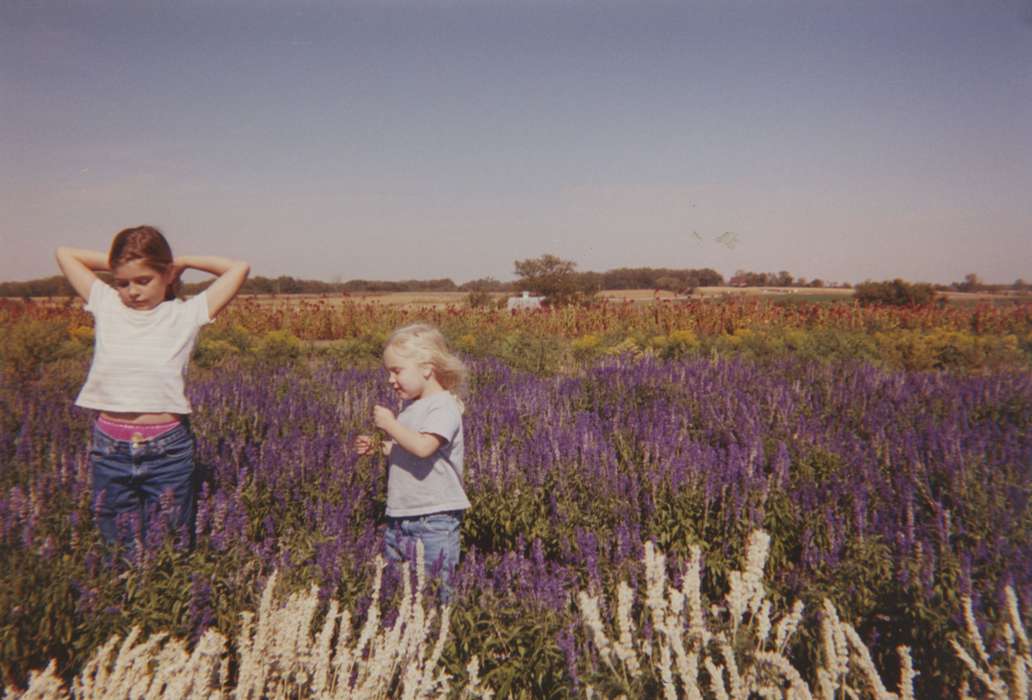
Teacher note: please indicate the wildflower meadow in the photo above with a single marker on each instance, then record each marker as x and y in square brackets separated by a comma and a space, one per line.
[722, 499]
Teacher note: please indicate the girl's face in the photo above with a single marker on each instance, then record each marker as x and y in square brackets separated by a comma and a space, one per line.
[409, 378]
[139, 285]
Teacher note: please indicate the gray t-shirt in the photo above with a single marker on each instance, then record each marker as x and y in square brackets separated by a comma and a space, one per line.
[419, 486]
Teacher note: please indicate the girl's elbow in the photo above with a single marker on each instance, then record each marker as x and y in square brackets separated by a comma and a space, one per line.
[64, 256]
[426, 451]
[237, 271]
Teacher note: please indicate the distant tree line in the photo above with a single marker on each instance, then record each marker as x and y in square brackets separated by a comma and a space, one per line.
[289, 285]
[56, 286]
[559, 276]
[671, 279]
[784, 278]
[974, 283]
[620, 278]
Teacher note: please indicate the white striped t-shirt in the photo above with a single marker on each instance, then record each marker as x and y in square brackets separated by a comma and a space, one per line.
[140, 357]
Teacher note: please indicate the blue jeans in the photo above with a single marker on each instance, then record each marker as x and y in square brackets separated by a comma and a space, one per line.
[439, 533]
[131, 479]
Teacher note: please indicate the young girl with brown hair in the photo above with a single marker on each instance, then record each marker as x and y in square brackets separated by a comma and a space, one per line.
[142, 443]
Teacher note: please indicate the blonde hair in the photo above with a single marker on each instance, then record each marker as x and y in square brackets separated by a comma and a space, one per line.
[425, 344]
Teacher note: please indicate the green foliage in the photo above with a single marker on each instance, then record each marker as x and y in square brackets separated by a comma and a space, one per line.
[55, 286]
[220, 342]
[39, 614]
[586, 348]
[947, 350]
[42, 613]
[897, 292]
[364, 351]
[972, 283]
[555, 279]
[532, 353]
[479, 298]
[214, 352]
[677, 344]
[496, 521]
[279, 346]
[485, 284]
[29, 346]
[518, 654]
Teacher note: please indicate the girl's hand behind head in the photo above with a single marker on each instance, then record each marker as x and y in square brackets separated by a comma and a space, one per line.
[177, 269]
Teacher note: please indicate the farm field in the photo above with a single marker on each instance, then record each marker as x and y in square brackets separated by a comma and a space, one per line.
[886, 452]
[440, 300]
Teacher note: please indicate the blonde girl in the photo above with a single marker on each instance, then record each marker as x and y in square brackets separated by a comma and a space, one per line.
[142, 445]
[425, 496]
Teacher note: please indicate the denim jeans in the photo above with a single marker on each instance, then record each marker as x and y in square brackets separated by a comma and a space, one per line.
[439, 533]
[135, 477]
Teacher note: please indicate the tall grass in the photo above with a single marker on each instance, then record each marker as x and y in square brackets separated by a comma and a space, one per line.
[668, 644]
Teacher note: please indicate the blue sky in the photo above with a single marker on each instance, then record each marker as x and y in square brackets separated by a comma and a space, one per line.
[400, 139]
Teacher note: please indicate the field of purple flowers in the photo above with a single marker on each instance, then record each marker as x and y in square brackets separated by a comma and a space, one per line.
[891, 493]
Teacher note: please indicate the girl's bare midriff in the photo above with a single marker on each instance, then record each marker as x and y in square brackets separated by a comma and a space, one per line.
[141, 418]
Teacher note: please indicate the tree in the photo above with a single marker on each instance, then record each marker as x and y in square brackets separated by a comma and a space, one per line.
[553, 278]
[706, 277]
[669, 283]
[971, 283]
[898, 292]
[479, 299]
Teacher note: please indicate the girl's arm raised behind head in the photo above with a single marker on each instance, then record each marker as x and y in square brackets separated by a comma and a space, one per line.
[78, 267]
[232, 274]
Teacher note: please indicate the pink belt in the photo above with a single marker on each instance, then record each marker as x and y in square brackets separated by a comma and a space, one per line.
[132, 432]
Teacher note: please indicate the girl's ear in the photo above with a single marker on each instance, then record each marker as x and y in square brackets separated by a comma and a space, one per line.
[428, 371]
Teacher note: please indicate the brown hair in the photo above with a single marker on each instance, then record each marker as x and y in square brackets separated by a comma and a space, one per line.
[144, 243]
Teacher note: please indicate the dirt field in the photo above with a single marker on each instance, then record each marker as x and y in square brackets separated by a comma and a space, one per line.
[437, 299]
[645, 295]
